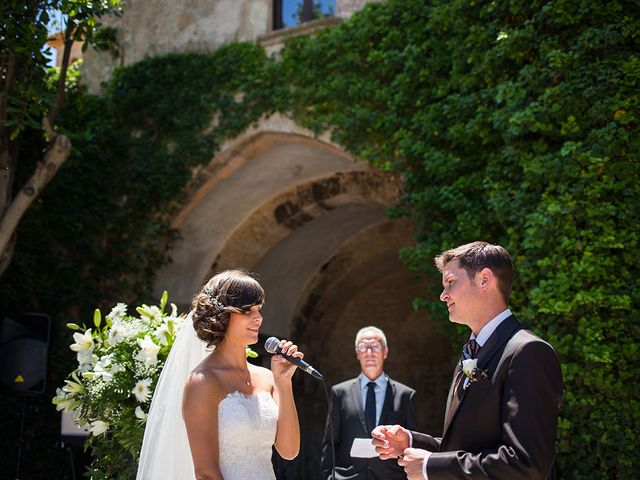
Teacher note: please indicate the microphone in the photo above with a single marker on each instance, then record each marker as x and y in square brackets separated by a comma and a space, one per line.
[272, 345]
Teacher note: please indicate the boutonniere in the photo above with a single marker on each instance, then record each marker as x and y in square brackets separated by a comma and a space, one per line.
[471, 370]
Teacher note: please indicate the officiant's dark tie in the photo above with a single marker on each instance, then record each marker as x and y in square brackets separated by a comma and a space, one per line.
[370, 407]
[469, 350]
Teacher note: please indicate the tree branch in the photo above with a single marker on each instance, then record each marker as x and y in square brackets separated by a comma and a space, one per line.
[45, 171]
[6, 173]
[8, 83]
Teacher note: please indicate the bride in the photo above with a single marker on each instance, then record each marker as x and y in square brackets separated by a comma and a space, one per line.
[232, 412]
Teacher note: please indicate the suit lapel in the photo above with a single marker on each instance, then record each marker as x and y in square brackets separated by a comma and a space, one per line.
[388, 401]
[451, 410]
[495, 343]
[356, 399]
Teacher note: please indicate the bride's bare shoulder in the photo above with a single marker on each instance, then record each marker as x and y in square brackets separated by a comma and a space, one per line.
[263, 374]
[203, 381]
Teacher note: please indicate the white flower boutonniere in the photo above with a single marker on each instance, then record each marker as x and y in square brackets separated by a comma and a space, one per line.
[468, 366]
[470, 369]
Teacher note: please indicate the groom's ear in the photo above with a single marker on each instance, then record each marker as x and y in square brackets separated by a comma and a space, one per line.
[486, 279]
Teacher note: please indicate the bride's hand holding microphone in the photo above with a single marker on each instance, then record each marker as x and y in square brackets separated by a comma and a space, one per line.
[280, 349]
[285, 360]
[283, 365]
[282, 368]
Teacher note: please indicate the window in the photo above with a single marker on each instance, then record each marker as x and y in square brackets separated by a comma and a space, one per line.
[289, 13]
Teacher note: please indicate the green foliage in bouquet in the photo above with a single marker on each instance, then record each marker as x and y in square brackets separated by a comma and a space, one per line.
[119, 361]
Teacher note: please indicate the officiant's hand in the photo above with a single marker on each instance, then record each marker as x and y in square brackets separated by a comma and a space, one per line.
[412, 461]
[390, 441]
[282, 369]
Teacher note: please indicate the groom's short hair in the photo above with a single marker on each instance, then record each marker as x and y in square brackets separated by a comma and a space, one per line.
[475, 256]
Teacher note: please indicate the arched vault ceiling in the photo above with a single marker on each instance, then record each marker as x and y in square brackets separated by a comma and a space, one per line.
[251, 179]
[287, 268]
[366, 257]
[302, 203]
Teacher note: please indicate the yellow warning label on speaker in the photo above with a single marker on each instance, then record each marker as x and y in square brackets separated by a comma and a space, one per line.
[19, 379]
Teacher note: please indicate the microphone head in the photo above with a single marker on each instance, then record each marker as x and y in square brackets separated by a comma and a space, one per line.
[271, 345]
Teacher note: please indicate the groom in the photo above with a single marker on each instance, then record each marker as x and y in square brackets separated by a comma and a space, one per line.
[502, 411]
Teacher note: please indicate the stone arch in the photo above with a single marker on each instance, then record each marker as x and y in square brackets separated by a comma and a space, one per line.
[310, 220]
[242, 181]
[302, 203]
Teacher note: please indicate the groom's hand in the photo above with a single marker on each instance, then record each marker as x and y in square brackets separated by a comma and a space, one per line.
[412, 461]
[390, 441]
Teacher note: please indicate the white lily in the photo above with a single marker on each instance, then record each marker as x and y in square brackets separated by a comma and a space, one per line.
[98, 427]
[149, 351]
[162, 333]
[84, 346]
[62, 400]
[150, 314]
[73, 386]
[140, 413]
[157, 314]
[117, 333]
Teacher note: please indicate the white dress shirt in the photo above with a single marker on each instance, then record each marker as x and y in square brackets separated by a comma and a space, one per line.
[486, 332]
[481, 338]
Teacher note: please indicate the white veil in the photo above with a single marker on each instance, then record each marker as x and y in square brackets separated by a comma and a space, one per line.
[165, 450]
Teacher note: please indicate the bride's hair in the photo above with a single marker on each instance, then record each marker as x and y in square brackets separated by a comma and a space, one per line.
[229, 291]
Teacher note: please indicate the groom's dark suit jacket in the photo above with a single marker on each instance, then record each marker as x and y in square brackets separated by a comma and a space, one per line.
[504, 427]
[346, 413]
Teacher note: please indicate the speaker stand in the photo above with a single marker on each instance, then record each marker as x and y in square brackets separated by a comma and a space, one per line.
[20, 437]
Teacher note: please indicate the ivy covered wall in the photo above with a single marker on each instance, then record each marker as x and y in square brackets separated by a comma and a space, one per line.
[514, 122]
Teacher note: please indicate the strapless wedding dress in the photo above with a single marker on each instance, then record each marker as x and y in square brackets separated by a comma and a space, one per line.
[246, 432]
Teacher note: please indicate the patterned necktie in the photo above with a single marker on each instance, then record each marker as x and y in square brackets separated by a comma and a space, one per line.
[370, 407]
[469, 350]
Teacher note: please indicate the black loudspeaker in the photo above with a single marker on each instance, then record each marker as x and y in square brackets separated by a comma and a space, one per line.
[24, 352]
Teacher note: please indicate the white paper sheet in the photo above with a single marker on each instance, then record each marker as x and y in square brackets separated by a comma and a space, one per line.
[363, 448]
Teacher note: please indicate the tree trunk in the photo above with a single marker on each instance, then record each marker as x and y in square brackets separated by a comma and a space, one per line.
[12, 211]
[45, 171]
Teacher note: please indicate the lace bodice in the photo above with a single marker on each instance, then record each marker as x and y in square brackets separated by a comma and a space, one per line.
[246, 431]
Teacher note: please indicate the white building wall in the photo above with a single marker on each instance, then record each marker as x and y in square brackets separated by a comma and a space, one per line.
[152, 27]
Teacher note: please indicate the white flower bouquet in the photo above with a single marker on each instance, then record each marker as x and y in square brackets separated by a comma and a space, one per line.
[119, 362]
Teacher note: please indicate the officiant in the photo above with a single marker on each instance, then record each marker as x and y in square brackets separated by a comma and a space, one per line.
[358, 405]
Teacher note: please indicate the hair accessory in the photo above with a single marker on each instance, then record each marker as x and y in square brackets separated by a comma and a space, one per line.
[218, 306]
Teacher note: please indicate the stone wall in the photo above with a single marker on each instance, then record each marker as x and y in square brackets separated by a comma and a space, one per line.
[346, 8]
[153, 27]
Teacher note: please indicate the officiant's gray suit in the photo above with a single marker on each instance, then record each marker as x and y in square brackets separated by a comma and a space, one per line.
[346, 414]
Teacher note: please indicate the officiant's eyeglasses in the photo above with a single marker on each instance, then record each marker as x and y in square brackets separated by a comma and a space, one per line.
[374, 347]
